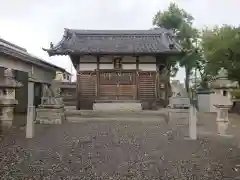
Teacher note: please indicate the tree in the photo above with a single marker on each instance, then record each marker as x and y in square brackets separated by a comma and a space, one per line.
[221, 48]
[180, 22]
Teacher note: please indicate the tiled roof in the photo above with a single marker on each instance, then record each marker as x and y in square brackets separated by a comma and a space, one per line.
[85, 42]
[22, 54]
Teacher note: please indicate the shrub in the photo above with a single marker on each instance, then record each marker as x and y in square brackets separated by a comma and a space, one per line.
[236, 93]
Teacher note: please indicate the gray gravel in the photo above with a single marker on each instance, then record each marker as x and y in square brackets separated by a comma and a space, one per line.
[116, 150]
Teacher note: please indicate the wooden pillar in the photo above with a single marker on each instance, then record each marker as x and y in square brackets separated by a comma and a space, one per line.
[76, 59]
[98, 77]
[167, 80]
[137, 77]
[157, 78]
[157, 86]
[78, 103]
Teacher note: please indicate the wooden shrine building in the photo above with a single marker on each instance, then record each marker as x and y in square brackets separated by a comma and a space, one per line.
[119, 65]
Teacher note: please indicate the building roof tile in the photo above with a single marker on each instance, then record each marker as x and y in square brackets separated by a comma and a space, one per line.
[85, 42]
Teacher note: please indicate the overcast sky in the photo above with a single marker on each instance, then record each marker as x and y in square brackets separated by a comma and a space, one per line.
[33, 24]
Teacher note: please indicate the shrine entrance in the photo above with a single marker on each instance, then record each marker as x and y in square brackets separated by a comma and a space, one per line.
[117, 85]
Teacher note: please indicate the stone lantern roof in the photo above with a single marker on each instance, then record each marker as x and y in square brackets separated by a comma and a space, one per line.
[222, 82]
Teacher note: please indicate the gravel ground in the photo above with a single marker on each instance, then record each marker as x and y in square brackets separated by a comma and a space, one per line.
[117, 150]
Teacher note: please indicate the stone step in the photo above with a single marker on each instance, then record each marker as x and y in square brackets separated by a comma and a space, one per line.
[140, 119]
[92, 113]
[50, 115]
[48, 110]
[117, 106]
[41, 120]
[117, 101]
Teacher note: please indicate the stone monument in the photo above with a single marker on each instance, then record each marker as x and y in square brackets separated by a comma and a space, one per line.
[51, 110]
[8, 84]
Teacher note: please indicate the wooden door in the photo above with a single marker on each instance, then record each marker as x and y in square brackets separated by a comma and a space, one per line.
[117, 85]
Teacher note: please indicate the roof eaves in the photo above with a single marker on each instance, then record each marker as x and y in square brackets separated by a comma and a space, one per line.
[53, 50]
[26, 58]
[2, 42]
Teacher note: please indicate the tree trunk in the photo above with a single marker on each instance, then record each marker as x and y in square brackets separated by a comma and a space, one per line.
[187, 74]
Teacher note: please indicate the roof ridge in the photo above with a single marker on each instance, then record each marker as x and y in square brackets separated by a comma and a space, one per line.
[119, 32]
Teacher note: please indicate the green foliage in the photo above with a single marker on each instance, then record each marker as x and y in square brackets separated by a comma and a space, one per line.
[180, 22]
[173, 18]
[236, 93]
[221, 48]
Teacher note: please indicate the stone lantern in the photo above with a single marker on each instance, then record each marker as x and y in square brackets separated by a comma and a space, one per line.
[7, 98]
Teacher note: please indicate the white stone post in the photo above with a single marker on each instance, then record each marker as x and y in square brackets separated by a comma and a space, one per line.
[30, 122]
[192, 123]
[31, 111]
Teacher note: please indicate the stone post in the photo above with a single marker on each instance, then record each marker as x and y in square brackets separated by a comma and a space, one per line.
[30, 122]
[31, 111]
[192, 123]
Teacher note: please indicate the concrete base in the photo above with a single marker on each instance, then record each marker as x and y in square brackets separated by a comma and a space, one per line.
[118, 106]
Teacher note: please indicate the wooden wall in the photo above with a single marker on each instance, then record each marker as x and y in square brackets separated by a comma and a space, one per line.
[90, 86]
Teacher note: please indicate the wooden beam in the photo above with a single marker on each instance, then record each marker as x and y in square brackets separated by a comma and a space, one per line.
[157, 80]
[137, 77]
[167, 79]
[90, 62]
[98, 77]
[78, 93]
[172, 53]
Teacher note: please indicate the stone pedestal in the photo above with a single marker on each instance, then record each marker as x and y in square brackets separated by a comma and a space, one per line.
[7, 112]
[179, 102]
[50, 114]
[222, 128]
[222, 112]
